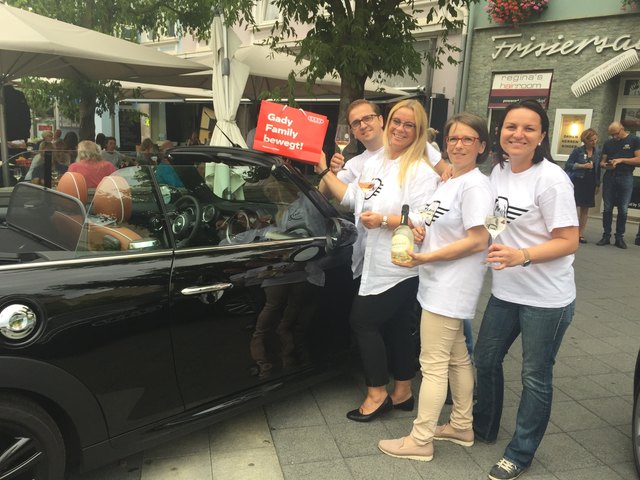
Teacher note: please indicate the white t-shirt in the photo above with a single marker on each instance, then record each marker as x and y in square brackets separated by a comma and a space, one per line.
[386, 197]
[535, 201]
[451, 288]
[351, 171]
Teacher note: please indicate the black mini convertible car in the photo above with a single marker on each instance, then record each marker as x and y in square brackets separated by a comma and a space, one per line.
[163, 300]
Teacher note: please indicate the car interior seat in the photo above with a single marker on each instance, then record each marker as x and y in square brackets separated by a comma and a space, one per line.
[111, 207]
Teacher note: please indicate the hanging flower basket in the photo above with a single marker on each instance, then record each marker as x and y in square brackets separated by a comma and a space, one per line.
[513, 12]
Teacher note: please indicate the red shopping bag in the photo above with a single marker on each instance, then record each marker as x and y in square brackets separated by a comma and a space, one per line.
[290, 132]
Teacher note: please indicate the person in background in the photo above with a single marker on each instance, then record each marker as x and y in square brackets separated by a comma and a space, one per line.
[165, 173]
[147, 153]
[193, 139]
[111, 155]
[71, 145]
[90, 164]
[101, 140]
[583, 167]
[38, 159]
[383, 315]
[59, 165]
[431, 138]
[620, 156]
[451, 265]
[533, 289]
[57, 135]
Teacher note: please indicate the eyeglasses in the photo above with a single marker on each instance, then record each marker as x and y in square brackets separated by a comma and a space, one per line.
[367, 119]
[405, 125]
[466, 141]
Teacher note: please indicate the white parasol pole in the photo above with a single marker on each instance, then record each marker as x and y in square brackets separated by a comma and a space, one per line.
[4, 143]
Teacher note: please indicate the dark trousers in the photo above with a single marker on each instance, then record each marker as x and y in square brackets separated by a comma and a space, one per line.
[384, 326]
[617, 188]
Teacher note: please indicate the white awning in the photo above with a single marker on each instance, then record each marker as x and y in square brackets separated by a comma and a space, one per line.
[604, 72]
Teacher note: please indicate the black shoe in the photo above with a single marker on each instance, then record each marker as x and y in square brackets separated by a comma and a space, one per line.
[620, 243]
[407, 405]
[357, 416]
[603, 241]
[505, 470]
[637, 240]
[582, 240]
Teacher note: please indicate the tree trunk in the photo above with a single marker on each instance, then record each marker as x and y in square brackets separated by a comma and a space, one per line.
[349, 93]
[87, 116]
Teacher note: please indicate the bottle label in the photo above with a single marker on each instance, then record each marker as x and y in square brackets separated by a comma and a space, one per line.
[400, 248]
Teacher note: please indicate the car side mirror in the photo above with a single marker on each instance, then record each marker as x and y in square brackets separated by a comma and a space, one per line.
[340, 233]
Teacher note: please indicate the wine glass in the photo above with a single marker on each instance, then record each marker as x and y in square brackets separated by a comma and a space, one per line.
[17, 173]
[342, 137]
[495, 225]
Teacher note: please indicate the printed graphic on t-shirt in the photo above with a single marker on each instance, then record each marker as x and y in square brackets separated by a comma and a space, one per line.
[431, 212]
[373, 188]
[501, 208]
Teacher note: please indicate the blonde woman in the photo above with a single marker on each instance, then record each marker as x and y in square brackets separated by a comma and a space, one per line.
[384, 313]
[90, 164]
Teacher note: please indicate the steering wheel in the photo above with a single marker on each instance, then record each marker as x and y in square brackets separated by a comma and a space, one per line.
[186, 219]
[239, 226]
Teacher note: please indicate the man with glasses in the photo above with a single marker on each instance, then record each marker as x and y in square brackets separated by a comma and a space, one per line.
[366, 123]
[620, 156]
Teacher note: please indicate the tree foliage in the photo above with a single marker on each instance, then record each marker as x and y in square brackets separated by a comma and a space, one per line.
[354, 40]
[120, 18]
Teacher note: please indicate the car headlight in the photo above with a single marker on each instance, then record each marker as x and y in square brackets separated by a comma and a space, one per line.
[17, 321]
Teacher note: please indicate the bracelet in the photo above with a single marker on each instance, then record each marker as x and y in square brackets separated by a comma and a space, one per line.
[323, 173]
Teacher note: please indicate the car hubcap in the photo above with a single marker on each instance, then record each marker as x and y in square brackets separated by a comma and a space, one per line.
[19, 458]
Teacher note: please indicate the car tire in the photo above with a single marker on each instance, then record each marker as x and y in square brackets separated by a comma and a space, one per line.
[31, 446]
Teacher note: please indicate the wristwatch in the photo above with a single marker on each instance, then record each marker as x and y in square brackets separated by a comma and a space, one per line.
[527, 258]
[385, 222]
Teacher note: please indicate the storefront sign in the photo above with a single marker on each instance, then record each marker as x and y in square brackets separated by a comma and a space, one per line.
[567, 128]
[508, 88]
[506, 47]
[290, 132]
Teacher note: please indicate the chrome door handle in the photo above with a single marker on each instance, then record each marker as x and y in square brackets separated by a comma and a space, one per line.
[206, 289]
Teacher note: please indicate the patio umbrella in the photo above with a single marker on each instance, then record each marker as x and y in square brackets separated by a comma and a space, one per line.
[229, 78]
[34, 45]
[269, 70]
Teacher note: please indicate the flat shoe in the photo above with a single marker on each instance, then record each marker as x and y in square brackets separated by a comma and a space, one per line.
[407, 405]
[583, 240]
[405, 447]
[357, 416]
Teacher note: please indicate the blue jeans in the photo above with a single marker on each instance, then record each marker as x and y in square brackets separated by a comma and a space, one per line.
[616, 192]
[542, 330]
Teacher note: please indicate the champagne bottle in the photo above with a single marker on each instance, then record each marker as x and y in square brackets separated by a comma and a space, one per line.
[402, 239]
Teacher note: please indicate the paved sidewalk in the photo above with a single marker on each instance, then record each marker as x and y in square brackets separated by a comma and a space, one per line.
[308, 436]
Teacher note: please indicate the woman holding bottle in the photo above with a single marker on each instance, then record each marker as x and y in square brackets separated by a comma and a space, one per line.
[383, 314]
[533, 289]
[583, 167]
[454, 244]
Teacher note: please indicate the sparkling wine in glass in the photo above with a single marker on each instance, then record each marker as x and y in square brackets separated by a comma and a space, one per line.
[342, 137]
[17, 174]
[495, 225]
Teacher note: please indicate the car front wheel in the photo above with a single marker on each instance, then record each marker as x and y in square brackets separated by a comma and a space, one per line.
[31, 446]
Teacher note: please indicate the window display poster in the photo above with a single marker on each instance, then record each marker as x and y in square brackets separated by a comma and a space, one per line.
[570, 129]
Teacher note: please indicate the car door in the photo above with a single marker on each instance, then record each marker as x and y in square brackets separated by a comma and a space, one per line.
[102, 309]
[246, 290]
